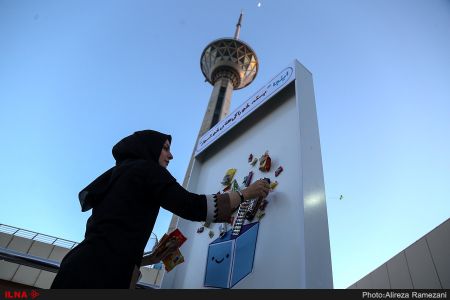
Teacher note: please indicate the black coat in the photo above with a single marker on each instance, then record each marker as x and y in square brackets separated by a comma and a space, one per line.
[124, 212]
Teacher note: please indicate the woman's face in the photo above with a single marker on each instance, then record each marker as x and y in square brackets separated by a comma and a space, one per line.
[165, 155]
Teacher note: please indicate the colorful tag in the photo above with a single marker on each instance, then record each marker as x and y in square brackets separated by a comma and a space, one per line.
[278, 171]
[273, 185]
[265, 162]
[172, 260]
[228, 177]
[248, 179]
[235, 186]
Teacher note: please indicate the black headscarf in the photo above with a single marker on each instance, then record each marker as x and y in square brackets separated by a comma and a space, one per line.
[142, 145]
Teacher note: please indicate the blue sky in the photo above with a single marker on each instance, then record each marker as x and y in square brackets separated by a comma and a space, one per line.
[77, 76]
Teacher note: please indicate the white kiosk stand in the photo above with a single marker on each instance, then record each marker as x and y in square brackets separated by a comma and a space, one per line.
[289, 247]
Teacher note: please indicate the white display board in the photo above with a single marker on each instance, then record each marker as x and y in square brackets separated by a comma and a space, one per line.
[292, 245]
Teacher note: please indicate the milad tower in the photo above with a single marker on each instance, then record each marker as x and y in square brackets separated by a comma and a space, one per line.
[228, 64]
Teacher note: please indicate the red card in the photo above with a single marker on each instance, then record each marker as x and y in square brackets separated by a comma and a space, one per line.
[179, 236]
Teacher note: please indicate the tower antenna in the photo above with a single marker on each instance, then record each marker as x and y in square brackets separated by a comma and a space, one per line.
[238, 27]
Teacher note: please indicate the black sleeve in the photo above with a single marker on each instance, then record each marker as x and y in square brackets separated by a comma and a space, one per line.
[187, 205]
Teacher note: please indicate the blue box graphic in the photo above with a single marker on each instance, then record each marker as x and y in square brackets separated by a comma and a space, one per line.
[230, 258]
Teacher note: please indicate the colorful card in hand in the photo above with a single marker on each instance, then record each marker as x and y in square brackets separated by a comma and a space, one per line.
[167, 237]
[179, 236]
[173, 260]
[176, 257]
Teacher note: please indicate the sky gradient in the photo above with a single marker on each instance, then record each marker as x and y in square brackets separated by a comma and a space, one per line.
[77, 76]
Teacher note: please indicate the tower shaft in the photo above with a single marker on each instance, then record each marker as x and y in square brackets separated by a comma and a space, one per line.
[218, 105]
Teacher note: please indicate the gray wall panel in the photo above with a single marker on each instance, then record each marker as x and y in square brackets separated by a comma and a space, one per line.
[45, 280]
[58, 253]
[5, 239]
[439, 244]
[399, 273]
[21, 244]
[26, 275]
[380, 278]
[40, 249]
[17, 243]
[421, 266]
[365, 282]
[7, 269]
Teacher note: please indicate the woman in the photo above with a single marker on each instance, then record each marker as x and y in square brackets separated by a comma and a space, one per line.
[125, 202]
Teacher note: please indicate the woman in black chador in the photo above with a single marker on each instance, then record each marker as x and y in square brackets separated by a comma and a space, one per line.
[125, 202]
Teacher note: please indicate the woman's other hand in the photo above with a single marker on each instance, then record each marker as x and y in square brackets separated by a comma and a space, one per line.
[154, 258]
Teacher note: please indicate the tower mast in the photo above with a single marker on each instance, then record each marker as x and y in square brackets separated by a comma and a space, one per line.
[238, 27]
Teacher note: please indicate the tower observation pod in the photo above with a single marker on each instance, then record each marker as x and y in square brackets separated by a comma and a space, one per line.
[228, 64]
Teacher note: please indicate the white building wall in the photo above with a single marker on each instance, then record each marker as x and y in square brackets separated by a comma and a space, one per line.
[423, 265]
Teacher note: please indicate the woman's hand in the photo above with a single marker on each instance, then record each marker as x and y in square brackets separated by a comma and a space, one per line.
[154, 258]
[259, 188]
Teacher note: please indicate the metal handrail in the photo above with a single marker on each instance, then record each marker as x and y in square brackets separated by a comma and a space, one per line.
[44, 264]
[36, 236]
